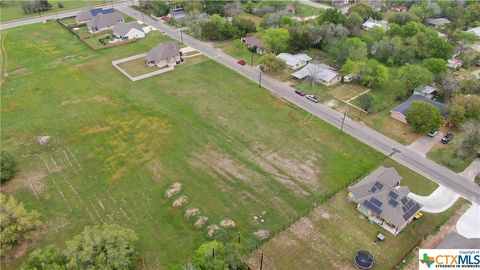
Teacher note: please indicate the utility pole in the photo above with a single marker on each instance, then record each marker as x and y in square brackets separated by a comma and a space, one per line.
[181, 34]
[251, 60]
[111, 1]
[260, 78]
[261, 262]
[343, 120]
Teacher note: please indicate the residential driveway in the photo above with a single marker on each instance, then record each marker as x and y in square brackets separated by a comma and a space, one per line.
[472, 170]
[440, 200]
[423, 144]
[469, 223]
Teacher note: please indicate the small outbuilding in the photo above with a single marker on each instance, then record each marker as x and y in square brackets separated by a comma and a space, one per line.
[438, 22]
[254, 43]
[371, 23]
[164, 54]
[427, 91]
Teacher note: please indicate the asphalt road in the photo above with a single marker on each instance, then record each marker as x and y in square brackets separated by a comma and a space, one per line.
[437, 173]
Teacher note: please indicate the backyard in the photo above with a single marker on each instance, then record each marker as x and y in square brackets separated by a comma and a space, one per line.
[115, 146]
[331, 234]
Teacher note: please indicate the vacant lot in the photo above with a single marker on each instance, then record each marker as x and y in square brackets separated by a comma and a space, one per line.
[329, 237]
[116, 145]
[12, 10]
[236, 49]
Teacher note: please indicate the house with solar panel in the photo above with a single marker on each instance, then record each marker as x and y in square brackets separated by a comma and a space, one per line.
[380, 198]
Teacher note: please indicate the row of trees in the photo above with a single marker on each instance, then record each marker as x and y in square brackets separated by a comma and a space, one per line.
[98, 247]
[218, 28]
[33, 6]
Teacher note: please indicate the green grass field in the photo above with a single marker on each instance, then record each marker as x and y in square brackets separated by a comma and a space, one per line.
[12, 10]
[117, 145]
[240, 52]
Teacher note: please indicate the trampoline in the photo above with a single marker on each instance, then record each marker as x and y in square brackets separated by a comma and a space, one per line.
[363, 259]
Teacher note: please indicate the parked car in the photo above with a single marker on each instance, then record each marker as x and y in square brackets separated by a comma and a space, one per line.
[241, 62]
[349, 78]
[447, 138]
[300, 92]
[312, 98]
[433, 133]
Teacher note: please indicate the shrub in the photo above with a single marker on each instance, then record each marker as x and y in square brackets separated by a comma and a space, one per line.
[7, 167]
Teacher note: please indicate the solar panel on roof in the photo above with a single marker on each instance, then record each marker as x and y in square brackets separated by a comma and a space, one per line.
[410, 204]
[373, 189]
[96, 11]
[392, 202]
[404, 200]
[376, 202]
[378, 185]
[411, 212]
[372, 207]
[393, 194]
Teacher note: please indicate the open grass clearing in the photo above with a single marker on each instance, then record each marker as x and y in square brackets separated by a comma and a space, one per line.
[12, 10]
[236, 49]
[117, 145]
[445, 155]
[346, 91]
[256, 19]
[306, 11]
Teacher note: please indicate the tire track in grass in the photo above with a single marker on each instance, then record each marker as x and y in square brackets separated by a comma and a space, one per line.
[4, 58]
[55, 184]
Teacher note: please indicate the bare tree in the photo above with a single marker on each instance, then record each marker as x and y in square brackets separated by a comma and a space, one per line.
[313, 72]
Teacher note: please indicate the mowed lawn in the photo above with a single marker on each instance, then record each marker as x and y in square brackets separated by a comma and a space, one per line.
[116, 145]
[330, 235]
[12, 10]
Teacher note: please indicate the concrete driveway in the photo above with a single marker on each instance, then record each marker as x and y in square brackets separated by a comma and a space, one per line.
[472, 170]
[423, 145]
[469, 223]
[440, 200]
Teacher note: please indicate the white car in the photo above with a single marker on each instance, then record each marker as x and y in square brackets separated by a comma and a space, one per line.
[312, 98]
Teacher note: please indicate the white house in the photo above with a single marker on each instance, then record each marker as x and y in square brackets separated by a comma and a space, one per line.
[371, 23]
[321, 73]
[131, 30]
[295, 61]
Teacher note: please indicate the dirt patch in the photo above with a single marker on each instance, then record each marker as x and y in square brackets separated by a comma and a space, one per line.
[173, 190]
[155, 169]
[201, 221]
[304, 229]
[262, 234]
[191, 212]
[101, 98]
[95, 129]
[332, 103]
[223, 164]
[180, 201]
[42, 139]
[70, 101]
[227, 223]
[35, 181]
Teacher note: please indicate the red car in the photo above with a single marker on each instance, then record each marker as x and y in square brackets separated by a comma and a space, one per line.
[300, 92]
[241, 62]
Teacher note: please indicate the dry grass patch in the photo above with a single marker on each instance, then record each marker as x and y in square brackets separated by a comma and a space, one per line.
[200, 222]
[346, 91]
[191, 212]
[180, 201]
[173, 190]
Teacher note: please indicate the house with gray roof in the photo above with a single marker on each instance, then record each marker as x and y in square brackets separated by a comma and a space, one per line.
[427, 91]
[164, 54]
[102, 22]
[131, 30]
[88, 13]
[379, 197]
[400, 112]
[321, 73]
[254, 43]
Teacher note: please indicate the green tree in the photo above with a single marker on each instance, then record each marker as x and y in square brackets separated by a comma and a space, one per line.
[469, 143]
[102, 247]
[300, 38]
[350, 48]
[272, 63]
[332, 15]
[362, 9]
[7, 167]
[462, 108]
[210, 256]
[244, 26]
[366, 101]
[373, 74]
[414, 76]
[16, 223]
[276, 39]
[423, 117]
[436, 66]
[354, 23]
[47, 258]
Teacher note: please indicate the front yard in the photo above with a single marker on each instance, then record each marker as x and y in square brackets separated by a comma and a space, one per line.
[236, 49]
[445, 155]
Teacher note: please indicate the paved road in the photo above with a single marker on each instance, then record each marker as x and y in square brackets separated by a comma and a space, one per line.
[380, 142]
